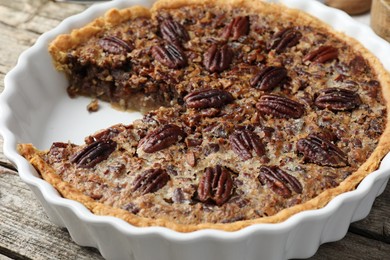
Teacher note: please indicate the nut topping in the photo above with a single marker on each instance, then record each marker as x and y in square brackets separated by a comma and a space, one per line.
[173, 31]
[150, 181]
[218, 58]
[322, 54]
[279, 181]
[208, 98]
[279, 106]
[93, 154]
[269, 78]
[161, 138]
[103, 135]
[284, 39]
[321, 152]
[337, 99]
[114, 45]
[191, 159]
[238, 27]
[244, 141]
[216, 185]
[170, 55]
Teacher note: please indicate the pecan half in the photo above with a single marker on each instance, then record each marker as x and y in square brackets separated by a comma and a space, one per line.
[218, 58]
[208, 98]
[190, 158]
[151, 180]
[173, 31]
[93, 153]
[321, 152]
[322, 54]
[280, 107]
[161, 138]
[279, 181]
[337, 99]
[114, 45]
[238, 27]
[269, 78]
[284, 39]
[216, 185]
[243, 142]
[170, 55]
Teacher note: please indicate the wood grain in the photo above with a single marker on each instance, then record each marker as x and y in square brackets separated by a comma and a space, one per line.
[352, 7]
[25, 230]
[380, 20]
[354, 247]
[3, 257]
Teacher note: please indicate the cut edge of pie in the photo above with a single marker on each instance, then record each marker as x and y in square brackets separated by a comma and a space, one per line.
[64, 42]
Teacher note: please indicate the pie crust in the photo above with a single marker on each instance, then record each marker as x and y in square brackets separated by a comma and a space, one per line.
[63, 43]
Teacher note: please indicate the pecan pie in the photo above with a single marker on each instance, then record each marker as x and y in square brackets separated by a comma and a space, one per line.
[253, 112]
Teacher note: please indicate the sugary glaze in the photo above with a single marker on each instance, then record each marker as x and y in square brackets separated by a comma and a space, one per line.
[267, 112]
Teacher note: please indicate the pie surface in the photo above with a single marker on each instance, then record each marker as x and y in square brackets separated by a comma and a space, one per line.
[253, 113]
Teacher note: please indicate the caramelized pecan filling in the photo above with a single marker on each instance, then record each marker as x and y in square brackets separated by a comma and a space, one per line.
[259, 115]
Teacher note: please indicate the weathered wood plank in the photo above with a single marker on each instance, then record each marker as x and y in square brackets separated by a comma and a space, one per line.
[20, 28]
[29, 7]
[50, 15]
[12, 16]
[354, 247]
[60, 11]
[26, 230]
[14, 39]
[3, 257]
[377, 224]
[39, 24]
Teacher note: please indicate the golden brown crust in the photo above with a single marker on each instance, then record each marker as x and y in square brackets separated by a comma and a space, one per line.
[58, 48]
[65, 42]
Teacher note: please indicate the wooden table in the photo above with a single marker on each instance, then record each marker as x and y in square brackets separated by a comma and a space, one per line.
[25, 230]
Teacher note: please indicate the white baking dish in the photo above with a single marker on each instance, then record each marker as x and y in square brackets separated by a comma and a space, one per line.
[35, 108]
